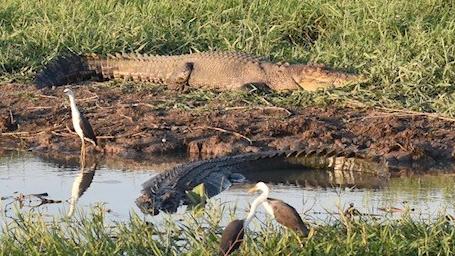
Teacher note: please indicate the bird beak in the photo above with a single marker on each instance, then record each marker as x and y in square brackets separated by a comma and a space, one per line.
[252, 190]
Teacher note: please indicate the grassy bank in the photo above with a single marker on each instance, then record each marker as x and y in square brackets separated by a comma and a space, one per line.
[90, 235]
[405, 48]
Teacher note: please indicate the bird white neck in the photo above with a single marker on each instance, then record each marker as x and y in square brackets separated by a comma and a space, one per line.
[260, 199]
[73, 104]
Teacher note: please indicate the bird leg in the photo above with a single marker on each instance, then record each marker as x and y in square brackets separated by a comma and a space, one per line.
[82, 161]
[83, 150]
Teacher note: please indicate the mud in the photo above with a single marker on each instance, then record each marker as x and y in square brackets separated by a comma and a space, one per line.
[132, 123]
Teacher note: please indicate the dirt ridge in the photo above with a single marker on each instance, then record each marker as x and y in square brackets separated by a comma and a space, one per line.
[130, 125]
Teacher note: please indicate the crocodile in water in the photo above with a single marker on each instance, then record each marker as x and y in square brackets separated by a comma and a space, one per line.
[214, 70]
[166, 191]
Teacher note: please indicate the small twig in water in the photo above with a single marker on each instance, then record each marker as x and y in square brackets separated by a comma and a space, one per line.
[26, 200]
[45, 201]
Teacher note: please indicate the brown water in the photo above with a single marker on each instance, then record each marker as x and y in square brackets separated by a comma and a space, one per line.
[320, 194]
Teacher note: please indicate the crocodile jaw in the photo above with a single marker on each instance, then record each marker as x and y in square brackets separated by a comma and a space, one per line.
[314, 77]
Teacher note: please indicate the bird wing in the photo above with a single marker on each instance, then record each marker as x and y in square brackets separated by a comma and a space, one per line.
[81, 184]
[87, 129]
[288, 216]
[232, 237]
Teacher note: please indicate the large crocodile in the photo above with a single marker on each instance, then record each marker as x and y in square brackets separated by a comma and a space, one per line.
[166, 191]
[219, 70]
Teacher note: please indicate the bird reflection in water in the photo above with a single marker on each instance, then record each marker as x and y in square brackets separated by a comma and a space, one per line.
[82, 181]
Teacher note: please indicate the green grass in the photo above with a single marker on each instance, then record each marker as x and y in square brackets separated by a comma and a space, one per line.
[405, 48]
[88, 234]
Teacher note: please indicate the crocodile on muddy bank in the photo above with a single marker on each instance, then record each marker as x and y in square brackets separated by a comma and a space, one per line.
[214, 70]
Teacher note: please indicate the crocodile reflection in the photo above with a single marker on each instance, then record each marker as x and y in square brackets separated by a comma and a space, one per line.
[166, 191]
[324, 173]
[81, 183]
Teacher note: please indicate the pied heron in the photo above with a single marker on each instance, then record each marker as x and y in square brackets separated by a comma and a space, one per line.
[282, 212]
[80, 123]
[233, 234]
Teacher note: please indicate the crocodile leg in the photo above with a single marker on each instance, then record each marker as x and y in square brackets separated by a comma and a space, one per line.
[178, 79]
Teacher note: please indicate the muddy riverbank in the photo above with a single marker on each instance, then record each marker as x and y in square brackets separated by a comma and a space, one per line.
[137, 122]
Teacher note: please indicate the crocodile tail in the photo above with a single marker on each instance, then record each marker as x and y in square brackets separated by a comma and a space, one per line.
[67, 69]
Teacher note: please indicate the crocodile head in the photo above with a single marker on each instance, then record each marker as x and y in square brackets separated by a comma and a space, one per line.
[147, 205]
[167, 201]
[312, 77]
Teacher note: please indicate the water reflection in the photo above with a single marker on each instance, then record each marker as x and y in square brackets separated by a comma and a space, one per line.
[112, 185]
[27, 201]
[81, 183]
[155, 162]
[315, 192]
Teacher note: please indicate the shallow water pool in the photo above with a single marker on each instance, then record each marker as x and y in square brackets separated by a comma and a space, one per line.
[317, 194]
